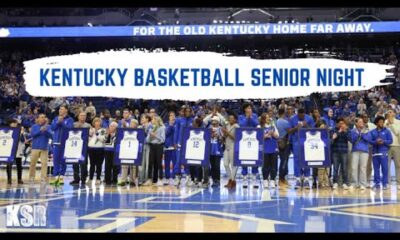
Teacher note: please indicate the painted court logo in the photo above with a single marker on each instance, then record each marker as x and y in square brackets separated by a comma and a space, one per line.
[26, 216]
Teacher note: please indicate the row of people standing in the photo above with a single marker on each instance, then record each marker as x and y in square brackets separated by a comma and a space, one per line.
[165, 139]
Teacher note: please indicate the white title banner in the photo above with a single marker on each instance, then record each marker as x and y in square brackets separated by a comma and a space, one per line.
[194, 76]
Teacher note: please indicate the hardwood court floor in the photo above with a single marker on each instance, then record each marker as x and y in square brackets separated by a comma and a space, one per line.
[96, 208]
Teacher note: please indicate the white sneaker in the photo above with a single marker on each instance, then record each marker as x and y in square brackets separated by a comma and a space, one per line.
[345, 187]
[190, 183]
[165, 181]
[335, 186]
[148, 182]
[297, 184]
[351, 187]
[253, 177]
[306, 183]
[187, 179]
[265, 184]
[398, 187]
[245, 182]
[272, 184]
[171, 181]
[98, 182]
[176, 181]
[160, 183]
[362, 188]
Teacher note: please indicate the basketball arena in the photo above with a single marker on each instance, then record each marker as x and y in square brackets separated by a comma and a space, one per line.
[355, 189]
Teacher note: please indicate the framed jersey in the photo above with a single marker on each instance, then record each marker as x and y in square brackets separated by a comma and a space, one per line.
[74, 145]
[314, 147]
[129, 146]
[9, 138]
[249, 147]
[196, 146]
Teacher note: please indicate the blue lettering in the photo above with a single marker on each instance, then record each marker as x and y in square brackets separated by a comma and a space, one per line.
[43, 77]
[138, 77]
[255, 77]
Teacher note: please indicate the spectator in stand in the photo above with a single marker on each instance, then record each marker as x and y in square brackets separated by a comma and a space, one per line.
[92, 110]
[361, 107]
[106, 119]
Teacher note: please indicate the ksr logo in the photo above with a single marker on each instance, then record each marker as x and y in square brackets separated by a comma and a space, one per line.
[26, 216]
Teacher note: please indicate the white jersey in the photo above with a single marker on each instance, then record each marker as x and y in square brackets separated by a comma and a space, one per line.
[73, 145]
[129, 146]
[6, 143]
[314, 147]
[248, 146]
[195, 146]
